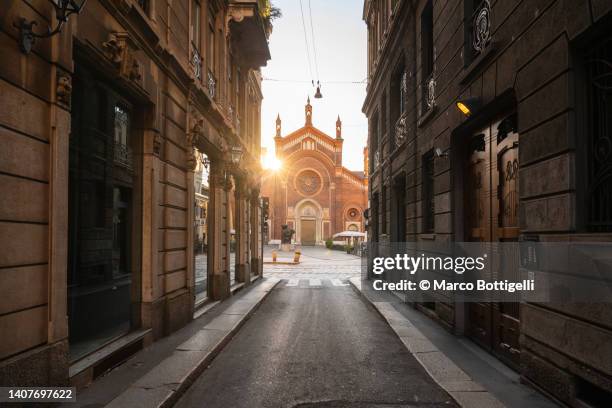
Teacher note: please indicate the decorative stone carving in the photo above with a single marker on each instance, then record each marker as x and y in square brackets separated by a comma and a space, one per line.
[63, 90]
[229, 183]
[119, 49]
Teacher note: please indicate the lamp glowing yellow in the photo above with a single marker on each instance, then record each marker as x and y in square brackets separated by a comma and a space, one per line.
[464, 108]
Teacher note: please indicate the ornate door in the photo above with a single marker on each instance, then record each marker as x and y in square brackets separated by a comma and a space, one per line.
[491, 209]
[506, 314]
[308, 232]
[478, 224]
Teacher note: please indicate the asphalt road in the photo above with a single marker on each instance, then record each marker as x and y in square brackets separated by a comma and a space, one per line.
[310, 346]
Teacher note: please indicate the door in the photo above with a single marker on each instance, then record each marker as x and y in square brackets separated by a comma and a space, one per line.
[491, 215]
[101, 215]
[308, 232]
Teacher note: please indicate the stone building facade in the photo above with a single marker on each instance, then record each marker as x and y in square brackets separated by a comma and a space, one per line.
[531, 161]
[107, 129]
[312, 192]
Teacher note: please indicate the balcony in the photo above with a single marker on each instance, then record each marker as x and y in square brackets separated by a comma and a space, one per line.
[249, 31]
[211, 85]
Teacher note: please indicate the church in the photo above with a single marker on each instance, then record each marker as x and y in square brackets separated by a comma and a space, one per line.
[312, 192]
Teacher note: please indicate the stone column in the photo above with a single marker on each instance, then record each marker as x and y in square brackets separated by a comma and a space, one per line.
[256, 239]
[243, 273]
[192, 166]
[218, 233]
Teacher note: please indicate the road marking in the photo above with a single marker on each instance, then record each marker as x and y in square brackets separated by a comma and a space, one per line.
[315, 282]
[293, 282]
[338, 282]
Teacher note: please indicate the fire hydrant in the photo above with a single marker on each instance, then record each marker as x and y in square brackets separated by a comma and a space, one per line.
[274, 256]
[296, 256]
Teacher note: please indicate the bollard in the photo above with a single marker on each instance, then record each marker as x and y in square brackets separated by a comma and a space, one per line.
[274, 256]
[296, 256]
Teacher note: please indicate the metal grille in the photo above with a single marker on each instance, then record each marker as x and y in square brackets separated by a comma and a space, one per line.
[599, 154]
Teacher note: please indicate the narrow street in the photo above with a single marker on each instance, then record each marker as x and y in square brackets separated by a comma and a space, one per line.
[315, 343]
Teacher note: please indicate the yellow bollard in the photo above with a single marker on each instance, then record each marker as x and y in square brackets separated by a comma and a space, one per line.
[274, 256]
[296, 256]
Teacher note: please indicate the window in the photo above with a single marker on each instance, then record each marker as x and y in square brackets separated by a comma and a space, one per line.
[211, 49]
[122, 151]
[397, 106]
[477, 26]
[374, 160]
[384, 210]
[195, 24]
[598, 151]
[383, 119]
[427, 192]
[427, 55]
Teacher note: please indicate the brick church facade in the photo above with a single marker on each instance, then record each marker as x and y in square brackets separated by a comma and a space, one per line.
[313, 193]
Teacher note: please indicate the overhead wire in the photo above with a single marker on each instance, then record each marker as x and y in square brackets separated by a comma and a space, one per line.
[306, 40]
[314, 43]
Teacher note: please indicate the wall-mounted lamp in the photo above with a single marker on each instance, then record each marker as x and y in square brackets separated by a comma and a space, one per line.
[63, 10]
[469, 105]
[439, 153]
[236, 154]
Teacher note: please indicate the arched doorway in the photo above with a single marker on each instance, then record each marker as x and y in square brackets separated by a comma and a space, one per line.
[309, 222]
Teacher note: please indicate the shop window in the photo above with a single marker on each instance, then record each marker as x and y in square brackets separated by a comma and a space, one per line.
[427, 192]
[598, 152]
[427, 56]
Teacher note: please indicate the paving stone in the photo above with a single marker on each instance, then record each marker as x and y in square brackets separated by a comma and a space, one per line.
[173, 370]
[473, 399]
[454, 386]
[418, 344]
[204, 340]
[440, 367]
[224, 322]
[242, 307]
[141, 397]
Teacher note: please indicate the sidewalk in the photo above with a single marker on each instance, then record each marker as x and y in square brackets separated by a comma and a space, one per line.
[470, 375]
[159, 374]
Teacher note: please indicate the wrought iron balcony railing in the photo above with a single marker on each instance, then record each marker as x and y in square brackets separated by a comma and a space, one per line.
[401, 129]
[196, 64]
[123, 155]
[212, 85]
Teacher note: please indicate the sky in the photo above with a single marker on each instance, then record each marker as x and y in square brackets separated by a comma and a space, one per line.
[340, 46]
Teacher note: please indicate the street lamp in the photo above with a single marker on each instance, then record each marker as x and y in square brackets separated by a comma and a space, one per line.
[236, 154]
[63, 10]
[469, 105]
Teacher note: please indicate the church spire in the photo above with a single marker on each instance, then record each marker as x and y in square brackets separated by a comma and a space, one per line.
[338, 128]
[308, 112]
[278, 125]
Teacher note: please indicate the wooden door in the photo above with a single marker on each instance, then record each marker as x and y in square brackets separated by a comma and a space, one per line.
[491, 215]
[308, 232]
[506, 314]
[478, 224]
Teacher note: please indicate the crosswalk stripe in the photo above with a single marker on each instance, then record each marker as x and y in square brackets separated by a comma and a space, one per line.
[338, 282]
[293, 282]
[315, 282]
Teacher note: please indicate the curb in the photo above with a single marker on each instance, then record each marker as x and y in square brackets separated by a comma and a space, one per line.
[167, 382]
[452, 379]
